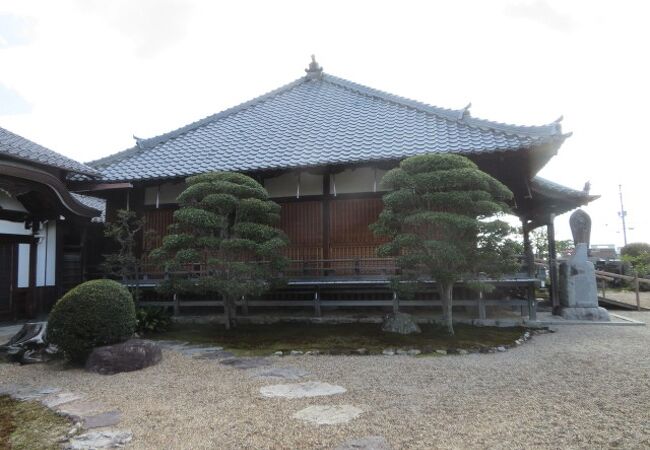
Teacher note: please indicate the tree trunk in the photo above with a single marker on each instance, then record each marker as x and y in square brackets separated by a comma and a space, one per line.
[446, 291]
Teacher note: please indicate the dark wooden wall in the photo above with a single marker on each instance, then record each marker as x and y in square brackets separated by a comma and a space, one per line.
[303, 222]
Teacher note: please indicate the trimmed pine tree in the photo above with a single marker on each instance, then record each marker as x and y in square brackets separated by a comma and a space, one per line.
[441, 218]
[225, 223]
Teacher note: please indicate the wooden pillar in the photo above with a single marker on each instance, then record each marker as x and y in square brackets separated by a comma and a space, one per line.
[31, 306]
[554, 291]
[529, 258]
[317, 309]
[326, 220]
[482, 313]
[395, 302]
[530, 269]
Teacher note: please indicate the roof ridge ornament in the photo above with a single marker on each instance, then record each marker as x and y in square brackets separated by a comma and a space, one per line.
[314, 71]
[464, 112]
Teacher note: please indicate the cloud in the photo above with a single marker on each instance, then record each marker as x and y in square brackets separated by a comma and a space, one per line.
[11, 102]
[15, 30]
[152, 25]
[542, 12]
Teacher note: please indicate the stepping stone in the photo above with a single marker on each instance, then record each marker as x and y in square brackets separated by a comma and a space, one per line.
[301, 390]
[192, 351]
[215, 354]
[59, 399]
[284, 373]
[99, 439]
[366, 443]
[106, 419]
[79, 409]
[246, 363]
[328, 414]
[34, 393]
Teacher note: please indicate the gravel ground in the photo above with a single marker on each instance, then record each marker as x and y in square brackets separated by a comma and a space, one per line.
[582, 387]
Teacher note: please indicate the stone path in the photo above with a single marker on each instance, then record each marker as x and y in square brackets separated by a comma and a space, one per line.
[301, 390]
[283, 373]
[263, 368]
[328, 414]
[366, 443]
[85, 414]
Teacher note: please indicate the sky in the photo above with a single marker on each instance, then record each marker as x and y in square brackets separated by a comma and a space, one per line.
[82, 77]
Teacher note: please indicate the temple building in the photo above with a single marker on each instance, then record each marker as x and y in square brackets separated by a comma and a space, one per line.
[43, 226]
[320, 145]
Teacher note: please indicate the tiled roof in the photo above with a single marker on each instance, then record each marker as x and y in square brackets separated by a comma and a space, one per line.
[18, 147]
[318, 120]
[553, 189]
[93, 202]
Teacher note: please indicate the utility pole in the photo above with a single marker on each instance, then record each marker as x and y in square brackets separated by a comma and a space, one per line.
[622, 214]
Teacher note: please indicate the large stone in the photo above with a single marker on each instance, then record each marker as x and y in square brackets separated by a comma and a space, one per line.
[595, 314]
[401, 323]
[99, 439]
[366, 443]
[578, 289]
[134, 354]
[328, 414]
[301, 390]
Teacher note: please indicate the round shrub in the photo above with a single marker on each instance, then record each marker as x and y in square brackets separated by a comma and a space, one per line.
[95, 313]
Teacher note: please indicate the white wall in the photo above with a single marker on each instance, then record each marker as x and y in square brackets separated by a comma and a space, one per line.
[9, 203]
[360, 179]
[167, 193]
[45, 252]
[23, 266]
[46, 255]
[294, 184]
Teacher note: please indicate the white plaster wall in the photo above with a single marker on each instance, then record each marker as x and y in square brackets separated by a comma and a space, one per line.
[7, 227]
[286, 185]
[10, 203]
[46, 255]
[361, 179]
[168, 193]
[23, 266]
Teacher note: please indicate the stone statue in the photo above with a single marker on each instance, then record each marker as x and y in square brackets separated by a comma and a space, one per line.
[580, 223]
[578, 289]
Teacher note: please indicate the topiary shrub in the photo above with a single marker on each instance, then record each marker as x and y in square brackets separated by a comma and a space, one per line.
[95, 313]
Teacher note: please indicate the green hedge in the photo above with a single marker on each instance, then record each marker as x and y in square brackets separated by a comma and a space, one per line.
[95, 313]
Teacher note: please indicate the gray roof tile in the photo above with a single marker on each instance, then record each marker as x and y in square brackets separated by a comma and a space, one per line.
[18, 147]
[312, 122]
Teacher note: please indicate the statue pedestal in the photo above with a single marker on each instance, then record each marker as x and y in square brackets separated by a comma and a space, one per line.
[578, 289]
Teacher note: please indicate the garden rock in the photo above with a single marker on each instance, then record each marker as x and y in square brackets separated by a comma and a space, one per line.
[366, 443]
[99, 440]
[301, 390]
[328, 414]
[134, 354]
[400, 323]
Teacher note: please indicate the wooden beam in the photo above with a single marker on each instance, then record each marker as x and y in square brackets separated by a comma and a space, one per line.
[552, 265]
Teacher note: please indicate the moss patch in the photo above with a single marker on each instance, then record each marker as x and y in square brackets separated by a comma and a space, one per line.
[29, 425]
[263, 339]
